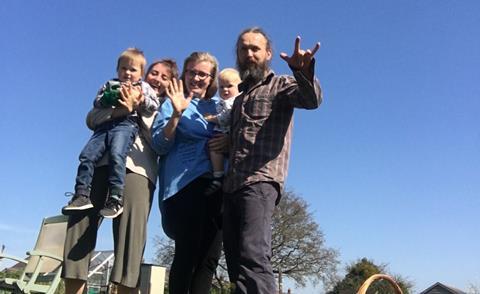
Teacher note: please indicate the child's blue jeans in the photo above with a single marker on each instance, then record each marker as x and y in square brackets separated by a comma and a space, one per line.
[114, 138]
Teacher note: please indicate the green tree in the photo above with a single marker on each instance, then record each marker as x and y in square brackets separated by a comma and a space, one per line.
[361, 270]
[12, 273]
[15, 274]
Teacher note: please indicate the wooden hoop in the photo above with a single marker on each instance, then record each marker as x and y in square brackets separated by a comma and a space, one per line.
[369, 281]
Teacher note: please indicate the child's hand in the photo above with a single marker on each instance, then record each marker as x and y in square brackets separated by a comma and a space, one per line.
[219, 143]
[210, 117]
[131, 96]
[138, 93]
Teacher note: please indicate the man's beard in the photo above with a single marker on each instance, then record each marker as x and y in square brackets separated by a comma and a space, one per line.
[252, 72]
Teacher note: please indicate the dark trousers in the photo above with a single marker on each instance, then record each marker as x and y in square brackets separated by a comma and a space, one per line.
[247, 237]
[192, 220]
[114, 138]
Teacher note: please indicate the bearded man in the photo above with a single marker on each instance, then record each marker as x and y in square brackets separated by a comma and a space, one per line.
[260, 137]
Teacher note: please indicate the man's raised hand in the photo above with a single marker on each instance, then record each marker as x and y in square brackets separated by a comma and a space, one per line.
[300, 59]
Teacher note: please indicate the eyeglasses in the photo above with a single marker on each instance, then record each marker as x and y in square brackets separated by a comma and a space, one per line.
[200, 74]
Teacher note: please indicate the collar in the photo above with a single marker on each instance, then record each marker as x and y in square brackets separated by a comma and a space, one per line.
[137, 83]
[246, 87]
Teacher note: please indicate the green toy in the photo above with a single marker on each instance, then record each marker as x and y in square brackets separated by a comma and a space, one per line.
[111, 94]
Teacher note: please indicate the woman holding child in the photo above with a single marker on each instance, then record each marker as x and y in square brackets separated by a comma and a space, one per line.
[190, 215]
[129, 229]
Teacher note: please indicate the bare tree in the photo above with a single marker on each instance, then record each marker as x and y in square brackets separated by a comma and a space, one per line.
[164, 251]
[473, 289]
[298, 247]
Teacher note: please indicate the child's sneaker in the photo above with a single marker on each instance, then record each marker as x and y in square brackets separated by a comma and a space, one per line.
[113, 207]
[78, 203]
[214, 186]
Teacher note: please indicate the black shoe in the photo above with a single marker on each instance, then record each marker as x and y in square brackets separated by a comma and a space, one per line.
[78, 203]
[214, 186]
[113, 207]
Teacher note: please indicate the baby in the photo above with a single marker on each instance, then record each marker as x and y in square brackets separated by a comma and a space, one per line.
[228, 80]
[114, 137]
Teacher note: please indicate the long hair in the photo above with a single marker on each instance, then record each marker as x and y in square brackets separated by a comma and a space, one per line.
[256, 30]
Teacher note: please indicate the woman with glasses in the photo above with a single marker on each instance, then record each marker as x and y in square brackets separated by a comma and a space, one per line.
[180, 135]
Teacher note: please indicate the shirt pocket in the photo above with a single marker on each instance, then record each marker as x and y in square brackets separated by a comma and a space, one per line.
[258, 108]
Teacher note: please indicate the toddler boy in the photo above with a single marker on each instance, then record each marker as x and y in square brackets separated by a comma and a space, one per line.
[114, 137]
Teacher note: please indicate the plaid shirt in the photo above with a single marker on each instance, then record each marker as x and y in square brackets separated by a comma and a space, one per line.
[261, 128]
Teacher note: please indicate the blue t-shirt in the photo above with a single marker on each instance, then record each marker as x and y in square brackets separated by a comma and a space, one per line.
[185, 157]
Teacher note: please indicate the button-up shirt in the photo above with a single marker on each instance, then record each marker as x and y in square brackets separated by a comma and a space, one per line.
[184, 157]
[261, 127]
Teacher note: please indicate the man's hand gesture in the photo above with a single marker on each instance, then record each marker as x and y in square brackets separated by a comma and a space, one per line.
[300, 59]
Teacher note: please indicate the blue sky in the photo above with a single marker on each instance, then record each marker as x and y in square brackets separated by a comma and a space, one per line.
[389, 163]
